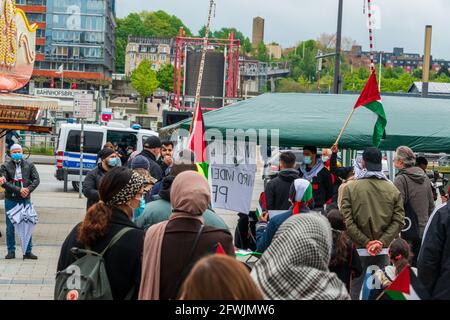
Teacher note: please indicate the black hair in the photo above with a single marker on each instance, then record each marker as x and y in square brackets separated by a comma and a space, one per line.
[288, 159]
[167, 143]
[340, 251]
[421, 160]
[313, 149]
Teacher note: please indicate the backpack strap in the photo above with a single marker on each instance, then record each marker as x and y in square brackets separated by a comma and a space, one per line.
[115, 239]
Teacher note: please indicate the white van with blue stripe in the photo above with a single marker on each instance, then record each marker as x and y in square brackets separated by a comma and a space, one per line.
[95, 137]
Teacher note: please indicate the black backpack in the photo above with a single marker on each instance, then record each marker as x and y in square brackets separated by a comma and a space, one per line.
[410, 231]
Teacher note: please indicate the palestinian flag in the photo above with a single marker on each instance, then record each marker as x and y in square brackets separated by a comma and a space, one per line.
[405, 287]
[197, 143]
[371, 99]
[262, 205]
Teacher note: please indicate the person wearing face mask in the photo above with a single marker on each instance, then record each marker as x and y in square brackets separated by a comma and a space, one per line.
[19, 178]
[314, 170]
[120, 192]
[108, 160]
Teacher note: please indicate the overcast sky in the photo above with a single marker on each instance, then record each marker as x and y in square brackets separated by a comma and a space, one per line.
[287, 22]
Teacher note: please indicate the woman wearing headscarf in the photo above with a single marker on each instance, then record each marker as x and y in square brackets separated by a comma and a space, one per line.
[172, 247]
[295, 266]
[120, 192]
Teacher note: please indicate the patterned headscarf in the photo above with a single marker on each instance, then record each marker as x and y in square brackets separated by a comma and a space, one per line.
[128, 192]
[295, 266]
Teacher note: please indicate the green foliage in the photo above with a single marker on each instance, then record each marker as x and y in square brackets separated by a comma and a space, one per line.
[161, 24]
[165, 77]
[144, 24]
[261, 52]
[224, 33]
[144, 81]
[42, 150]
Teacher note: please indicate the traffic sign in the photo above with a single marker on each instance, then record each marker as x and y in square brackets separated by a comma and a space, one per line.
[83, 105]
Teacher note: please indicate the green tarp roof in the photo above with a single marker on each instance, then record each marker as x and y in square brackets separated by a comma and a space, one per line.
[316, 119]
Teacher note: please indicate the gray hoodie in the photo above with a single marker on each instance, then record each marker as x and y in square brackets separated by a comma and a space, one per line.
[415, 187]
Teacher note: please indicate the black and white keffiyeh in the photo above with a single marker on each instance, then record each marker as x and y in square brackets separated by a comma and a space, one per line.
[295, 266]
[130, 191]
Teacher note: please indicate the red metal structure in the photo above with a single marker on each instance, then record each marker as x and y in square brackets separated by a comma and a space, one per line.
[232, 64]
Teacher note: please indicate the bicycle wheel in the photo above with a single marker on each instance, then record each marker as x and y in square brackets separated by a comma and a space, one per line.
[26, 152]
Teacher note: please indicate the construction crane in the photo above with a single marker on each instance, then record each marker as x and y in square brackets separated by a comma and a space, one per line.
[202, 61]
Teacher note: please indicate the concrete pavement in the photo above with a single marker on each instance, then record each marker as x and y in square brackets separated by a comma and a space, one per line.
[58, 213]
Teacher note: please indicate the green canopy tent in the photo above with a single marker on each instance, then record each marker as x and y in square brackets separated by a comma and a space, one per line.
[316, 119]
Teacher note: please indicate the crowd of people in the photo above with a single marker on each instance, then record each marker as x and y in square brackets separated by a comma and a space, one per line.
[152, 221]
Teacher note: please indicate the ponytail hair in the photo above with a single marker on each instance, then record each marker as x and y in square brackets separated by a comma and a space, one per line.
[98, 218]
[95, 223]
[399, 252]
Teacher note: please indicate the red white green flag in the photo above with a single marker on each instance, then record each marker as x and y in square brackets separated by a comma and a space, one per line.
[371, 99]
[405, 287]
[197, 143]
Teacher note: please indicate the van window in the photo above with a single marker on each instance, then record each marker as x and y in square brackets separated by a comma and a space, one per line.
[92, 141]
[123, 139]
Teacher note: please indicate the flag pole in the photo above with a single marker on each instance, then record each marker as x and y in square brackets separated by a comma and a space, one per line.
[344, 127]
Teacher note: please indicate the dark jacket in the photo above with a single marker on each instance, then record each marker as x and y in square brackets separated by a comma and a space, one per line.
[265, 231]
[322, 188]
[164, 167]
[277, 190]
[122, 261]
[91, 184]
[29, 175]
[177, 243]
[351, 267]
[434, 259]
[155, 170]
[415, 188]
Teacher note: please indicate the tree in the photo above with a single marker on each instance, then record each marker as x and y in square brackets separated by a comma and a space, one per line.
[144, 81]
[162, 24]
[130, 25]
[224, 33]
[165, 77]
[261, 52]
[144, 24]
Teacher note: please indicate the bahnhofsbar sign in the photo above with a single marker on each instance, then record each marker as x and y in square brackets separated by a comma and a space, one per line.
[58, 93]
[232, 186]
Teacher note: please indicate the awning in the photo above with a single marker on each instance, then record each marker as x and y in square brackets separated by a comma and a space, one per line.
[316, 119]
[21, 100]
[23, 127]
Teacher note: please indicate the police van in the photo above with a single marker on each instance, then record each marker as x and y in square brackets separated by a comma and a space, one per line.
[95, 136]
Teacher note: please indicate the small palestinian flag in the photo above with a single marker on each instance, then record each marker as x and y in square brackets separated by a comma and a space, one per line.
[262, 206]
[371, 99]
[405, 287]
[197, 143]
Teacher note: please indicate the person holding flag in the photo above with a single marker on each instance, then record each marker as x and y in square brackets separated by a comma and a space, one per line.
[301, 194]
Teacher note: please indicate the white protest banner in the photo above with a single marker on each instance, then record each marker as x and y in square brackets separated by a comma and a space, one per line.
[232, 186]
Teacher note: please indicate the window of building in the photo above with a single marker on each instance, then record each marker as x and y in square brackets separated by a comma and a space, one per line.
[153, 49]
[62, 51]
[93, 141]
[154, 66]
[154, 57]
[162, 57]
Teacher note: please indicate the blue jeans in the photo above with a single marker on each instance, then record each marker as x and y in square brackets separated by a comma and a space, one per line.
[10, 232]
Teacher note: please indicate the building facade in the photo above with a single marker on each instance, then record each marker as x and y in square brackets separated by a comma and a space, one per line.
[158, 50]
[274, 51]
[397, 58]
[75, 36]
[258, 31]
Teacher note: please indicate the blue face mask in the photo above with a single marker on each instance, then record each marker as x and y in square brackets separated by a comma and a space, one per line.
[307, 160]
[112, 162]
[17, 156]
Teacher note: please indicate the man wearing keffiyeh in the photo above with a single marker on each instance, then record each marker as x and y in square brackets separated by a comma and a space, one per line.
[19, 178]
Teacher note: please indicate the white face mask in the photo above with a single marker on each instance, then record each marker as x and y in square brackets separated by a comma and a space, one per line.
[325, 158]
